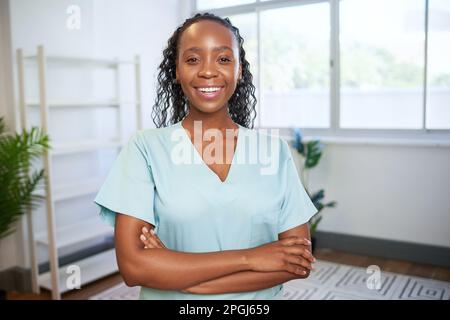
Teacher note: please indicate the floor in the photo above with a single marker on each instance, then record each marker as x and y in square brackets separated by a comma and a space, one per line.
[396, 266]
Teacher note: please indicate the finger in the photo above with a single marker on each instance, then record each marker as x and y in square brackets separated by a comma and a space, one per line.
[150, 237]
[292, 268]
[295, 240]
[300, 261]
[153, 241]
[299, 250]
[153, 235]
[145, 232]
[147, 243]
[308, 255]
[152, 231]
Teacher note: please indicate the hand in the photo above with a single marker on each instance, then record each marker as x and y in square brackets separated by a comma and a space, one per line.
[289, 254]
[151, 240]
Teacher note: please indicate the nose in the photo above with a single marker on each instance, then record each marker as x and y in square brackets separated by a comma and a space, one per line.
[208, 70]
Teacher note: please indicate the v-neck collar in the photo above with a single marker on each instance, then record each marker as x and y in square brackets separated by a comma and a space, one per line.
[202, 162]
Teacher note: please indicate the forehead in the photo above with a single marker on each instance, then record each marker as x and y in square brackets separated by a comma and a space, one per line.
[206, 34]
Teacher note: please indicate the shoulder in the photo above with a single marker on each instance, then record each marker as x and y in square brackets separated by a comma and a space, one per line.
[149, 142]
[269, 139]
[152, 133]
[152, 136]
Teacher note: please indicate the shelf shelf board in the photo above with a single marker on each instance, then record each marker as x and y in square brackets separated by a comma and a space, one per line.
[82, 61]
[74, 190]
[71, 234]
[76, 104]
[92, 268]
[68, 148]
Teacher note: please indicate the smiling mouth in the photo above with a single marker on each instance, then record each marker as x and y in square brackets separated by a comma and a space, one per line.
[209, 92]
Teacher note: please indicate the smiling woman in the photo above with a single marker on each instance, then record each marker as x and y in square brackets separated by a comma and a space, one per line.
[207, 51]
[215, 227]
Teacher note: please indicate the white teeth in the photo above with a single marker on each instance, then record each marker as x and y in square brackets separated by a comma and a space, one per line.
[209, 89]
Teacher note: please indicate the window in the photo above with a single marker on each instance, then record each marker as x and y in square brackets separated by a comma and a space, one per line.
[215, 4]
[438, 69]
[247, 25]
[382, 63]
[394, 71]
[295, 66]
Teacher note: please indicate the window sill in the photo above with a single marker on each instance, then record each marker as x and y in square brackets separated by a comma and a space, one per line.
[375, 141]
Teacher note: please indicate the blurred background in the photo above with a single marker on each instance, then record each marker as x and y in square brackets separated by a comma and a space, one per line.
[363, 83]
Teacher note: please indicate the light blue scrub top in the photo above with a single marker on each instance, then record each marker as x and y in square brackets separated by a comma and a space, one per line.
[193, 210]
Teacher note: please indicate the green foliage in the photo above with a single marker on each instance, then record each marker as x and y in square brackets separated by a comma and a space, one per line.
[311, 152]
[317, 199]
[441, 80]
[17, 184]
[363, 65]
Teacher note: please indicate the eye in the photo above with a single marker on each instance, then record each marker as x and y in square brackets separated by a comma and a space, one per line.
[224, 60]
[192, 60]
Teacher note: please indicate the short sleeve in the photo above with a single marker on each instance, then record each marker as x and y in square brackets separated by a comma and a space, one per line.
[129, 187]
[297, 208]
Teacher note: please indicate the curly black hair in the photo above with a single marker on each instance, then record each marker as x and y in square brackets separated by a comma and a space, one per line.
[241, 105]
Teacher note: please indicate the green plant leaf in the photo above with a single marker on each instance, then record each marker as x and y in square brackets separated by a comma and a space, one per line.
[17, 182]
[313, 153]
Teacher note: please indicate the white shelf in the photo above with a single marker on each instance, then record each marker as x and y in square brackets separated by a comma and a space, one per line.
[83, 61]
[92, 268]
[74, 190]
[78, 104]
[68, 235]
[64, 236]
[68, 148]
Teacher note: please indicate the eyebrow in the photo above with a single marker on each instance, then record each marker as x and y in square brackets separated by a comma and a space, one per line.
[196, 49]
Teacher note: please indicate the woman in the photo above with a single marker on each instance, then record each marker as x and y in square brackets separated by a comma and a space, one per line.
[226, 229]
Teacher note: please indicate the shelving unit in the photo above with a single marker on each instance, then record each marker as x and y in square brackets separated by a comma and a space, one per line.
[94, 268]
[56, 237]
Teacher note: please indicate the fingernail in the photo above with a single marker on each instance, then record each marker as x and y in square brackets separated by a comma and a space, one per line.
[152, 231]
[303, 272]
[145, 229]
[142, 237]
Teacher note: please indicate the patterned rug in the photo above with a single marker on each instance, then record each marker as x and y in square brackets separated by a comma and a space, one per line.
[331, 281]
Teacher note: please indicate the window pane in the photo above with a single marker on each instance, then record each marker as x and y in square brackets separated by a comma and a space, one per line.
[295, 66]
[246, 23]
[382, 63]
[215, 4]
[438, 95]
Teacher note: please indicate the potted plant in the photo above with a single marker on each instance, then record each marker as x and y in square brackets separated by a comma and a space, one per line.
[17, 183]
[310, 153]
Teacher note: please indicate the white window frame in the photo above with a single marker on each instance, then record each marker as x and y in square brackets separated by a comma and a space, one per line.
[336, 134]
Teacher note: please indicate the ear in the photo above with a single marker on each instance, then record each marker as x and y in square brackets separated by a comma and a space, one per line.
[240, 72]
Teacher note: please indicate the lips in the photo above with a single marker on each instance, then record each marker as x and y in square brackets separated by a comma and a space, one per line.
[209, 92]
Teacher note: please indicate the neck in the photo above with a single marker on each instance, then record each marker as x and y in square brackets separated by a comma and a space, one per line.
[218, 120]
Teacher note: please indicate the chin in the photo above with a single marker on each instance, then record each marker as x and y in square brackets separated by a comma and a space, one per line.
[208, 108]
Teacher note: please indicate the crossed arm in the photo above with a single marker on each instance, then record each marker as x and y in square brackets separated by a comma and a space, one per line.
[244, 281]
[236, 280]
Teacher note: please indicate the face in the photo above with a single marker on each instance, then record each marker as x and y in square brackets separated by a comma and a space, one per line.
[208, 65]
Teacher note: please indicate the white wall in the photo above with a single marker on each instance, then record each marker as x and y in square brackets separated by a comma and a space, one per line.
[125, 29]
[390, 192]
[387, 192]
[7, 244]
[119, 28]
